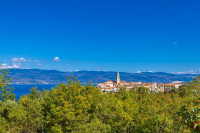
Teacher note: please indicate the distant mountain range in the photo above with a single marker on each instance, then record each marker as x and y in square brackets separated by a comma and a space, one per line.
[37, 76]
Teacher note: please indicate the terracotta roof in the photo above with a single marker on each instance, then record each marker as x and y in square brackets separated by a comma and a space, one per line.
[168, 85]
[146, 84]
[108, 88]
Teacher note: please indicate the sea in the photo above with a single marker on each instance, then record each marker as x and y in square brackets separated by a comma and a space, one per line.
[21, 90]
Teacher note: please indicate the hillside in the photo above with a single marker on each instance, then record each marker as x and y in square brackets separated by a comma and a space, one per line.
[37, 76]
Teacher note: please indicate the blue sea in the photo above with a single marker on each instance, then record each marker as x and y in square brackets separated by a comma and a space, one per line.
[21, 90]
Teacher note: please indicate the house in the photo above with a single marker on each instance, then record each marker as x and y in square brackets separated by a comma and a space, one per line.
[114, 86]
[168, 87]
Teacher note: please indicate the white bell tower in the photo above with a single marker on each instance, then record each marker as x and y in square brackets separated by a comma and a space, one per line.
[118, 78]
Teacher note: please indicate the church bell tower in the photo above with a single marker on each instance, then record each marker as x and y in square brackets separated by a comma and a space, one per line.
[118, 78]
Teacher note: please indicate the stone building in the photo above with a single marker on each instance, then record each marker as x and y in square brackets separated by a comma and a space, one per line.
[114, 86]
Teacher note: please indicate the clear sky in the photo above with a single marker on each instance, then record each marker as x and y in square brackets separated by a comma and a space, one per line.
[116, 35]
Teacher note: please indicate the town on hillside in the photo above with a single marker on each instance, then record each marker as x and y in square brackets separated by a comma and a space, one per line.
[114, 86]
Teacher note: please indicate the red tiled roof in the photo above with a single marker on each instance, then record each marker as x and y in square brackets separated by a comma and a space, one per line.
[128, 86]
[168, 85]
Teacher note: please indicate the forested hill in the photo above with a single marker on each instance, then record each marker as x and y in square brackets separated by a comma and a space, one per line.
[37, 76]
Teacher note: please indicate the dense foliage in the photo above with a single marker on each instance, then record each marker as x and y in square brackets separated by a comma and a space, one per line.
[5, 89]
[72, 107]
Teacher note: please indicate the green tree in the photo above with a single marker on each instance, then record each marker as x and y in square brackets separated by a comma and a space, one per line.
[173, 90]
[68, 106]
[95, 126]
[72, 107]
[143, 90]
[5, 88]
[195, 85]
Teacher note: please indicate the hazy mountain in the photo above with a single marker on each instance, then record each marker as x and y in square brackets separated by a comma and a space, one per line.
[37, 76]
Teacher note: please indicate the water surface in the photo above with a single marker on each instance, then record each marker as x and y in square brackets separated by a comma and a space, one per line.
[25, 89]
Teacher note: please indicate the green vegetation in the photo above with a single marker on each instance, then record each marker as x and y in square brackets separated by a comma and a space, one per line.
[5, 89]
[72, 107]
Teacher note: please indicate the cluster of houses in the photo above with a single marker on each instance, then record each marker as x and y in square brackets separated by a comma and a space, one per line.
[116, 85]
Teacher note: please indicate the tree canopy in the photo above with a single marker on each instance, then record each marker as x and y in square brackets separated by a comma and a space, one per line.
[72, 107]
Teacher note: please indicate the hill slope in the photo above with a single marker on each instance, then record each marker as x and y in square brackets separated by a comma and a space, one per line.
[37, 76]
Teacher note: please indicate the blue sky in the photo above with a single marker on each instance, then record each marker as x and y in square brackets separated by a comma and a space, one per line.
[116, 35]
